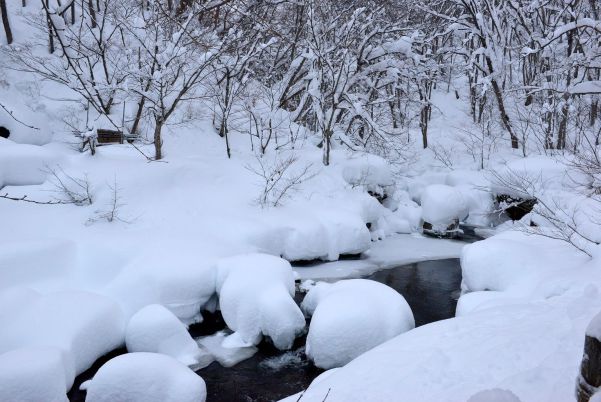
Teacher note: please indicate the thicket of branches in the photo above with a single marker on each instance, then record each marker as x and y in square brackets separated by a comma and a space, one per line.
[360, 73]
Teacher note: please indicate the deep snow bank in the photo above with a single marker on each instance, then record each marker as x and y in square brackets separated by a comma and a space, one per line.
[35, 374]
[351, 317]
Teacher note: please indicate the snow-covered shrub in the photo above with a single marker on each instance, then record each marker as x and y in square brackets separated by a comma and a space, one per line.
[351, 317]
[279, 178]
[155, 329]
[145, 377]
[256, 297]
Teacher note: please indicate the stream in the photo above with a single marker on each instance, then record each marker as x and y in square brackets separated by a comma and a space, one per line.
[430, 287]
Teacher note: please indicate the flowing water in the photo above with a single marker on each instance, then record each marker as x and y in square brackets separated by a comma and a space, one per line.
[431, 288]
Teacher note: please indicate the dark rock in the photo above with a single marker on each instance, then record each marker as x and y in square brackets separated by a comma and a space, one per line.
[515, 208]
[4, 132]
[452, 231]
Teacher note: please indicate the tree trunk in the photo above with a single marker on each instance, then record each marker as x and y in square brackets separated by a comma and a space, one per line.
[92, 12]
[5, 22]
[158, 141]
[589, 379]
[327, 138]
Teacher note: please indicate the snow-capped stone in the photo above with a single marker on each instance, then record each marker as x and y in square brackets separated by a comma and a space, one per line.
[351, 317]
[155, 329]
[442, 204]
[256, 299]
[145, 377]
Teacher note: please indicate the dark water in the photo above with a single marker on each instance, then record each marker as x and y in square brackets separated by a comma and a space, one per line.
[431, 288]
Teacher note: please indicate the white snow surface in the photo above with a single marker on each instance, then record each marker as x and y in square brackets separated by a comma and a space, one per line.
[145, 377]
[35, 374]
[24, 164]
[256, 298]
[156, 329]
[351, 317]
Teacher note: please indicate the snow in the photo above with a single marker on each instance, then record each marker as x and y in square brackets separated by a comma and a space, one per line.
[83, 324]
[390, 252]
[494, 395]
[517, 263]
[370, 172]
[541, 297]
[145, 377]
[35, 374]
[442, 204]
[23, 164]
[256, 299]
[351, 317]
[228, 355]
[156, 329]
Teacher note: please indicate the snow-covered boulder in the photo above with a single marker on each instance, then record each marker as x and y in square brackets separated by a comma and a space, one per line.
[372, 173]
[256, 297]
[351, 317]
[145, 377]
[35, 374]
[156, 329]
[442, 208]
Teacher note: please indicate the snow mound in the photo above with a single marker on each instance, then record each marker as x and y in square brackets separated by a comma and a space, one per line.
[35, 374]
[351, 317]
[83, 324]
[325, 233]
[156, 329]
[145, 377]
[370, 172]
[515, 262]
[494, 395]
[184, 288]
[256, 298]
[23, 164]
[520, 178]
[442, 204]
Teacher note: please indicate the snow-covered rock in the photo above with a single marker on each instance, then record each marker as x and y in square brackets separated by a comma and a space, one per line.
[145, 377]
[370, 172]
[35, 374]
[351, 317]
[256, 299]
[155, 329]
[442, 204]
